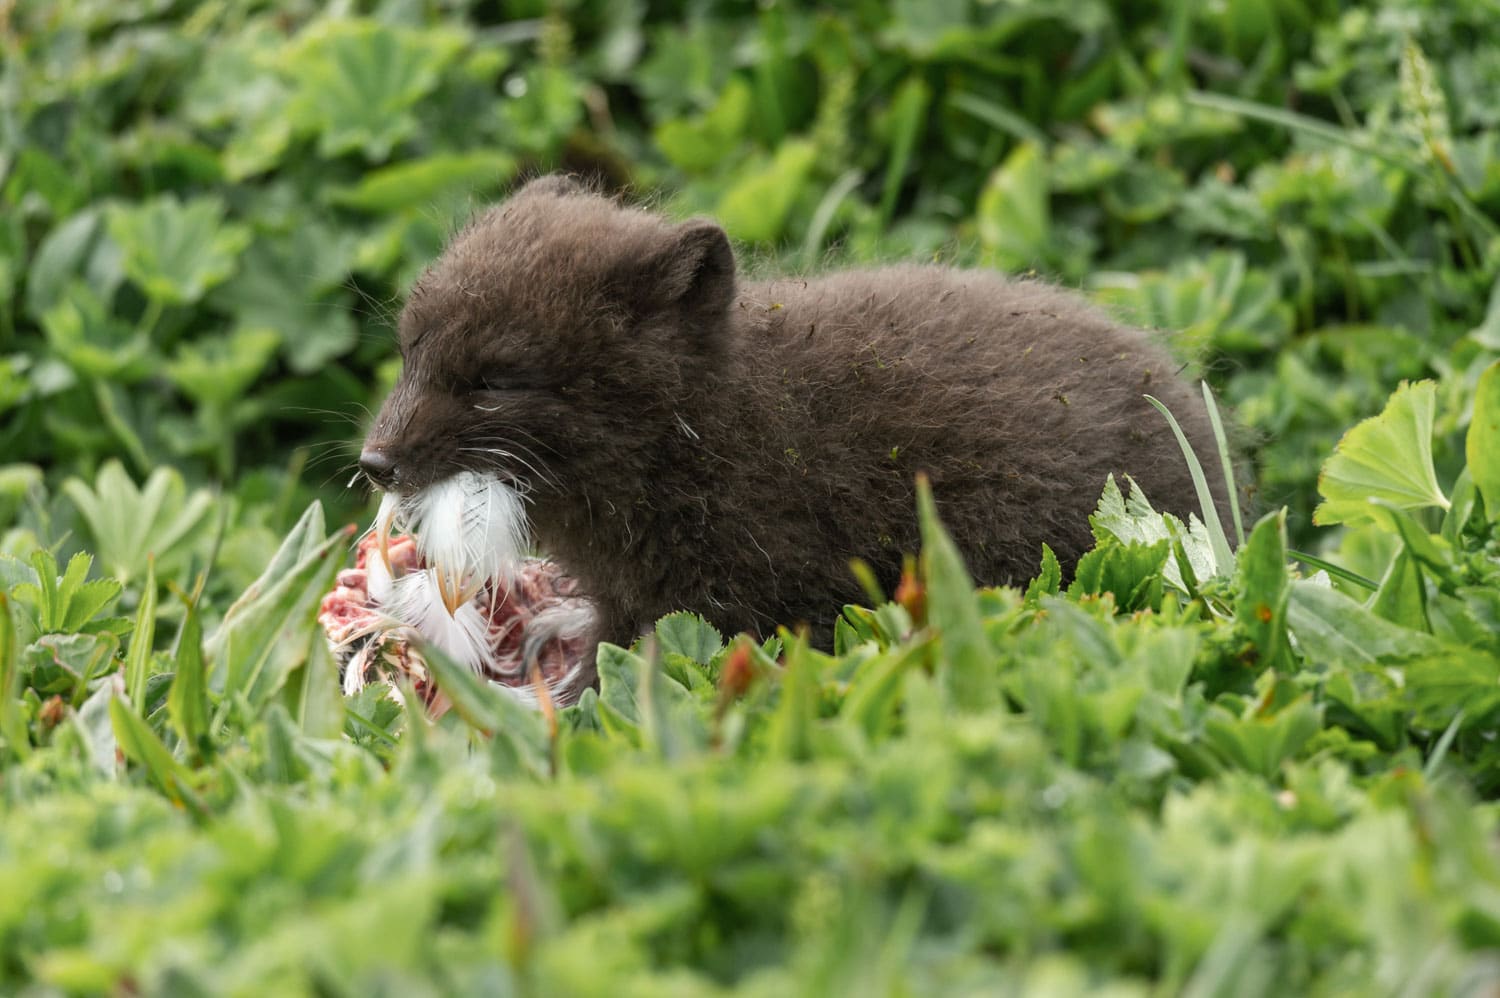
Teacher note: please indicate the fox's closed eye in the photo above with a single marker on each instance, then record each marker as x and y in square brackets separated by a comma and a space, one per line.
[513, 382]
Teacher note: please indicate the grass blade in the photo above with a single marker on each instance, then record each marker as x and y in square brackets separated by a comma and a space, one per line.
[12, 725]
[1223, 556]
[138, 658]
[817, 229]
[1353, 578]
[1227, 461]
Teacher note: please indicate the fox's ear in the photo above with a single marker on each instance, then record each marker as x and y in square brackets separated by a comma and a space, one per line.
[554, 184]
[692, 268]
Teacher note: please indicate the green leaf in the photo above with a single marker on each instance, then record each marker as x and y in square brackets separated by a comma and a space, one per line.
[620, 672]
[1482, 444]
[291, 284]
[1014, 212]
[129, 524]
[1402, 596]
[671, 725]
[239, 88]
[356, 82]
[1263, 588]
[92, 341]
[138, 656]
[417, 183]
[1387, 457]
[1259, 743]
[1134, 521]
[173, 251]
[874, 693]
[142, 746]
[690, 635]
[65, 604]
[187, 701]
[317, 702]
[492, 711]
[12, 723]
[696, 145]
[755, 209]
[222, 368]
[1049, 578]
[791, 724]
[1333, 630]
[259, 643]
[1132, 572]
[966, 660]
[73, 250]
[1223, 554]
[906, 122]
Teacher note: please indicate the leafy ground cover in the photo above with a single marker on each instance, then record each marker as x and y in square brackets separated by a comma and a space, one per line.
[1186, 772]
[1193, 770]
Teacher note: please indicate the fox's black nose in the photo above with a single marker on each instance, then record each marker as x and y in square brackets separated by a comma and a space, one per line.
[379, 467]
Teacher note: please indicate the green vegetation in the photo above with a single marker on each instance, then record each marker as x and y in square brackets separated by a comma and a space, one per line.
[1202, 767]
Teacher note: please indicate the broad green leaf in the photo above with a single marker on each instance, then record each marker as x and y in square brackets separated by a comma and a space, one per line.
[222, 368]
[300, 543]
[1214, 302]
[1332, 630]
[1134, 521]
[1142, 192]
[239, 88]
[1388, 457]
[74, 250]
[1402, 596]
[966, 659]
[356, 82]
[316, 701]
[291, 284]
[1263, 587]
[702, 143]
[1014, 211]
[176, 251]
[756, 207]
[259, 643]
[85, 336]
[1482, 445]
[1260, 743]
[620, 673]
[671, 726]
[128, 524]
[1132, 572]
[690, 635]
[417, 183]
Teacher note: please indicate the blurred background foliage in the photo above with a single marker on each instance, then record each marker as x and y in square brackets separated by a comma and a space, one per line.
[211, 210]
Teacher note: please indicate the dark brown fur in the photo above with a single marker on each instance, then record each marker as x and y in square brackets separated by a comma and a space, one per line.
[691, 443]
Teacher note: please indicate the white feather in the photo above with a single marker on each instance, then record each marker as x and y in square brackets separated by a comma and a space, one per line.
[417, 601]
[471, 528]
[378, 581]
